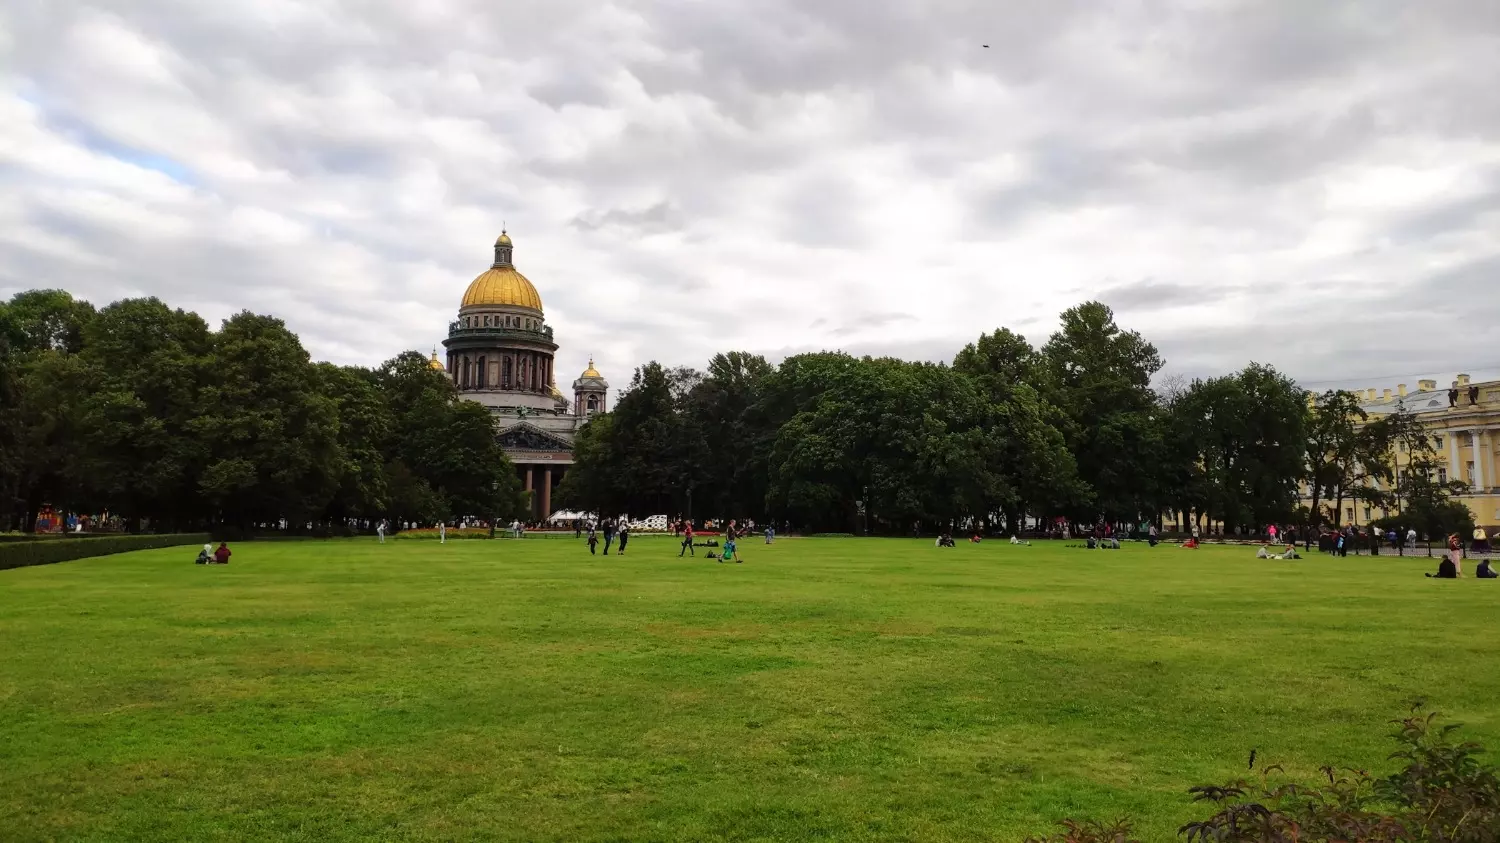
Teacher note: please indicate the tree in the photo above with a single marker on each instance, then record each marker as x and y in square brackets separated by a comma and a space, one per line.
[365, 436]
[1347, 454]
[1244, 435]
[142, 450]
[49, 422]
[1100, 377]
[443, 460]
[49, 320]
[723, 433]
[272, 435]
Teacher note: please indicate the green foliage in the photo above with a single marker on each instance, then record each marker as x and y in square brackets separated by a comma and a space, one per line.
[1100, 376]
[24, 554]
[141, 410]
[1238, 442]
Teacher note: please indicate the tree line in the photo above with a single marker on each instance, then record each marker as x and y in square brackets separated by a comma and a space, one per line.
[143, 411]
[1073, 429]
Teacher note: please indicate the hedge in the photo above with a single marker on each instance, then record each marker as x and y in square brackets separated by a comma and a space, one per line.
[23, 554]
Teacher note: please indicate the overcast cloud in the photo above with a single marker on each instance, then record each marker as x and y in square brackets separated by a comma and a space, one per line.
[1312, 185]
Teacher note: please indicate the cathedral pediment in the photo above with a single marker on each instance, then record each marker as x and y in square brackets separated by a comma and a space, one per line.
[526, 437]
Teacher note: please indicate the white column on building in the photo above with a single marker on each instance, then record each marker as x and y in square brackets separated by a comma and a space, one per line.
[1478, 459]
[1455, 468]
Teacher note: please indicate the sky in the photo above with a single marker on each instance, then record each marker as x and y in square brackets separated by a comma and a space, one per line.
[1311, 185]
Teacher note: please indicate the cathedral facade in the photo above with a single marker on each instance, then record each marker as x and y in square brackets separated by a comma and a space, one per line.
[500, 353]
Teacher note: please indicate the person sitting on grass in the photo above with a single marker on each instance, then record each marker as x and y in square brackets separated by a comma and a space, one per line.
[1446, 570]
[945, 540]
[974, 539]
[1289, 553]
[206, 555]
[1262, 553]
[729, 552]
[1191, 543]
[221, 556]
[1484, 571]
[1017, 540]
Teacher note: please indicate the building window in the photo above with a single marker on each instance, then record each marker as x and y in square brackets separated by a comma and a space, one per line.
[593, 403]
[1442, 476]
[1349, 513]
[1367, 513]
[1469, 471]
[1438, 441]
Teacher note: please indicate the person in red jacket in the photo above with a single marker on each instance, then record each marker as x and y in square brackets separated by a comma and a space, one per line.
[221, 556]
[687, 540]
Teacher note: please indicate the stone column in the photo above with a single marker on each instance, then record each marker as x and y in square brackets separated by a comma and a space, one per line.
[546, 492]
[1455, 468]
[1478, 459]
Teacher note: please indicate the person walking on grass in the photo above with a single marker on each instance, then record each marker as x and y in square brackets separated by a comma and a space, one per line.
[624, 537]
[380, 530]
[593, 540]
[687, 540]
[442, 532]
[609, 534]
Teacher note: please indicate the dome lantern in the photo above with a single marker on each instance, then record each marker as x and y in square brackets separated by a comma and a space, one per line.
[503, 249]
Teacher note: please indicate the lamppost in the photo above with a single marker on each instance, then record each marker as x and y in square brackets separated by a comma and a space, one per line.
[690, 503]
[494, 505]
[867, 512]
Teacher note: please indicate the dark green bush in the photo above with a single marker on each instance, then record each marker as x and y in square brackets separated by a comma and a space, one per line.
[1444, 792]
[23, 554]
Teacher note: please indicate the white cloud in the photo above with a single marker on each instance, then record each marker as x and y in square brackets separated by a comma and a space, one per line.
[1314, 187]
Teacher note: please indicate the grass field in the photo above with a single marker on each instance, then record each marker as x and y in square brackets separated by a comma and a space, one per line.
[828, 689]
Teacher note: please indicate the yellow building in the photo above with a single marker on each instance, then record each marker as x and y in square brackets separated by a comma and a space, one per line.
[1464, 420]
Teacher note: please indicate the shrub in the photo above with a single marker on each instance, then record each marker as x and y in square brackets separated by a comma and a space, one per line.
[1444, 792]
[23, 554]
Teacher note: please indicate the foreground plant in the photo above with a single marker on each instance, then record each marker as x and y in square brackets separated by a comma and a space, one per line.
[1444, 792]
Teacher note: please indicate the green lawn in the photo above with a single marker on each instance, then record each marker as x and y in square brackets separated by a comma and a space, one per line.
[828, 689]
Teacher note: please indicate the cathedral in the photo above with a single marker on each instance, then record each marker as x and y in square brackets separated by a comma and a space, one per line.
[500, 354]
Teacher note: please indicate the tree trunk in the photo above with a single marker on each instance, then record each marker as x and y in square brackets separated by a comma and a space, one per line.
[33, 509]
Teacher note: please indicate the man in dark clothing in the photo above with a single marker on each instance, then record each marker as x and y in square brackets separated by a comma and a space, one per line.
[1446, 570]
[624, 537]
[1484, 571]
[593, 540]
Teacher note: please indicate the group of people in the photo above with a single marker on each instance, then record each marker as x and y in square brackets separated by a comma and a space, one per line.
[209, 556]
[1451, 567]
[730, 549]
[611, 530]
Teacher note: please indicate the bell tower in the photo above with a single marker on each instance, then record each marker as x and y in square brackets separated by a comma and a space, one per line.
[590, 392]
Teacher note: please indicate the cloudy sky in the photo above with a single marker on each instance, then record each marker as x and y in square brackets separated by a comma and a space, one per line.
[1311, 184]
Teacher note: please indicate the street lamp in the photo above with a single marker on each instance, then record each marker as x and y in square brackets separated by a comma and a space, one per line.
[494, 505]
[867, 512]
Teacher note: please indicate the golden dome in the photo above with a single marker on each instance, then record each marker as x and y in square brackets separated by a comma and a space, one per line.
[591, 372]
[436, 364]
[502, 286]
[503, 239]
